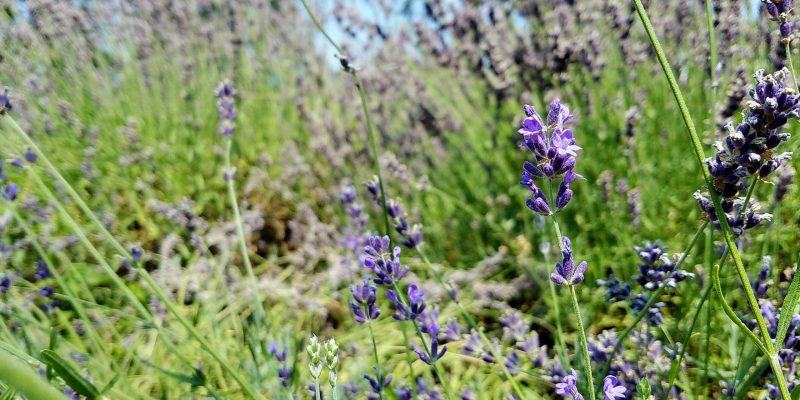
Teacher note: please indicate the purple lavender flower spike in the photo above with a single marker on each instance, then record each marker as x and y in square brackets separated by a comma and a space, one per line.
[225, 108]
[568, 387]
[388, 270]
[613, 388]
[554, 150]
[566, 272]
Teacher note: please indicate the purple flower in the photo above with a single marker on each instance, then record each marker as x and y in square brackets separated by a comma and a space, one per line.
[654, 315]
[377, 385]
[225, 108]
[568, 387]
[777, 7]
[658, 268]
[42, 271]
[387, 270]
[10, 191]
[555, 154]
[280, 355]
[364, 308]
[613, 388]
[5, 102]
[615, 289]
[434, 355]
[537, 202]
[566, 272]
[415, 307]
[30, 156]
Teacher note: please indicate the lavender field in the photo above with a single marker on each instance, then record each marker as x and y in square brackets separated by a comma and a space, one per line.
[395, 200]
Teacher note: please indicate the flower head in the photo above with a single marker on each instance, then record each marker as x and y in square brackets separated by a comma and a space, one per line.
[566, 271]
[363, 306]
[225, 108]
[387, 267]
[555, 153]
[568, 387]
[613, 388]
[553, 146]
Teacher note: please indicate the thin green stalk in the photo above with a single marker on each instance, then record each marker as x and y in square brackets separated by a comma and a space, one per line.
[22, 378]
[556, 305]
[712, 45]
[709, 309]
[8, 124]
[561, 348]
[726, 229]
[237, 216]
[363, 98]
[791, 65]
[409, 357]
[373, 144]
[587, 360]
[378, 373]
[732, 314]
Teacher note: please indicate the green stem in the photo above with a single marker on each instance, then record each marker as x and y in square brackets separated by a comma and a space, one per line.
[791, 65]
[8, 124]
[712, 44]
[561, 348]
[409, 357]
[587, 360]
[732, 314]
[726, 229]
[363, 98]
[237, 216]
[20, 376]
[378, 373]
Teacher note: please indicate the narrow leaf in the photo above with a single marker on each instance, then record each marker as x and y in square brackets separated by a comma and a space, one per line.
[787, 310]
[70, 376]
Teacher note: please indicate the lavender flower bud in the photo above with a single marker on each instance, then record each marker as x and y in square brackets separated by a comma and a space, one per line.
[566, 272]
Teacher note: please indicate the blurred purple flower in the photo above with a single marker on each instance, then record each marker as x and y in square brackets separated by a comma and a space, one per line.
[613, 388]
[568, 387]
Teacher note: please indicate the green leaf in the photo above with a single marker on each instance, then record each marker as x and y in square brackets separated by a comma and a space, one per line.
[796, 393]
[70, 376]
[196, 380]
[787, 310]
